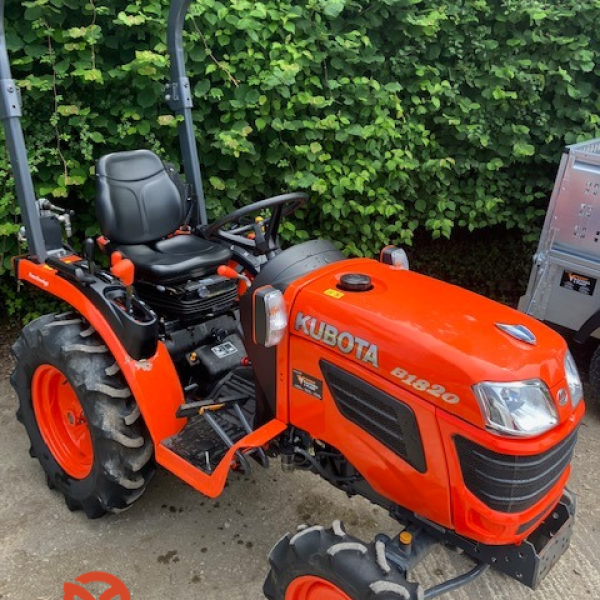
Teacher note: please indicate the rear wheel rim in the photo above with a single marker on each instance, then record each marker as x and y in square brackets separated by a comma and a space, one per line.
[314, 588]
[61, 421]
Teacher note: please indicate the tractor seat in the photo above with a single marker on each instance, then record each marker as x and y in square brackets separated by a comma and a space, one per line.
[139, 207]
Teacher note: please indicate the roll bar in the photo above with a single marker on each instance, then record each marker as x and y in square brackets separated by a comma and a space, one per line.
[178, 94]
[10, 115]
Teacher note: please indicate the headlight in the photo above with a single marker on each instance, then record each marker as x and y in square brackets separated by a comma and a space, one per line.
[269, 317]
[573, 380]
[523, 408]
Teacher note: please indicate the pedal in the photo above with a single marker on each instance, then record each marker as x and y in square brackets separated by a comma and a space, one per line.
[217, 423]
[191, 409]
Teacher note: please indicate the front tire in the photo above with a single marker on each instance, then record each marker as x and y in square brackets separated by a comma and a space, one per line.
[83, 423]
[328, 564]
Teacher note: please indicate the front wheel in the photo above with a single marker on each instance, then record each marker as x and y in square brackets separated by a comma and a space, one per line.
[328, 564]
[83, 423]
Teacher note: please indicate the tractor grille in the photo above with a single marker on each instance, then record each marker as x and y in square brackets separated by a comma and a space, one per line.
[509, 483]
[386, 418]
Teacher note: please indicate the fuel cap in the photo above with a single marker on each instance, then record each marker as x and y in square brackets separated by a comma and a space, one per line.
[355, 282]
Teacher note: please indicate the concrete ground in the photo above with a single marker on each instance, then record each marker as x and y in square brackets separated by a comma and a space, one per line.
[176, 544]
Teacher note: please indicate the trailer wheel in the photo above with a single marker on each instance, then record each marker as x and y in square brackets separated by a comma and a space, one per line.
[328, 564]
[83, 423]
[595, 375]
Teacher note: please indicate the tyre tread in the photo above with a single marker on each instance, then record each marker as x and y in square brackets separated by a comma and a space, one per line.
[352, 565]
[123, 449]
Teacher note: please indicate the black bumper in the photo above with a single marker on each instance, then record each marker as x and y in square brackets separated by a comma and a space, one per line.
[530, 561]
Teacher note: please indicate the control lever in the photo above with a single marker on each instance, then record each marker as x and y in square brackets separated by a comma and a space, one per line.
[115, 257]
[229, 273]
[88, 254]
[123, 269]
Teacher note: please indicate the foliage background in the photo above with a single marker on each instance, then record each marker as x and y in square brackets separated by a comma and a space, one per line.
[397, 115]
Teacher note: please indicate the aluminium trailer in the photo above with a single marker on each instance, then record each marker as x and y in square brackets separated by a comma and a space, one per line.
[564, 286]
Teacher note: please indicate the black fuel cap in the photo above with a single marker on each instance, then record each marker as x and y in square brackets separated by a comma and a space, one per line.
[355, 282]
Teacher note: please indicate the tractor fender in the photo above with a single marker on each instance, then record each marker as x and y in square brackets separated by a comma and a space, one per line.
[153, 381]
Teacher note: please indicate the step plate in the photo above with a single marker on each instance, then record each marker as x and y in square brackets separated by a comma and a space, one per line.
[198, 438]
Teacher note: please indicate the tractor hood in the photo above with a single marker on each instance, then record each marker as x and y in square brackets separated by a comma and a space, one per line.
[431, 338]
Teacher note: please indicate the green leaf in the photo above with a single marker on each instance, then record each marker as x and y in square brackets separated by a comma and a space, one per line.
[333, 8]
[217, 183]
[523, 149]
[420, 205]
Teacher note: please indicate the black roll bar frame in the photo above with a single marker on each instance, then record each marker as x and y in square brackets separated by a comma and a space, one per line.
[178, 94]
[10, 115]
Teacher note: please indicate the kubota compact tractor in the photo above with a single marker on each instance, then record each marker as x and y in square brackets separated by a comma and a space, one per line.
[209, 348]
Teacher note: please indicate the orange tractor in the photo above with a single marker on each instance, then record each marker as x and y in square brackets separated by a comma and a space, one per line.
[207, 348]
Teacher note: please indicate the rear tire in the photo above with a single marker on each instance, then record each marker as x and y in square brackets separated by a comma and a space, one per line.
[58, 353]
[327, 563]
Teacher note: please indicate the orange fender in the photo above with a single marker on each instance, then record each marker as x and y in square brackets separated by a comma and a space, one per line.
[154, 382]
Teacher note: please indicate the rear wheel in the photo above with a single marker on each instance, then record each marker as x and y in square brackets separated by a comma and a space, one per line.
[83, 423]
[328, 564]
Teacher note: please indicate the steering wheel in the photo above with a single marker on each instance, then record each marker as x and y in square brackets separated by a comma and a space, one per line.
[265, 239]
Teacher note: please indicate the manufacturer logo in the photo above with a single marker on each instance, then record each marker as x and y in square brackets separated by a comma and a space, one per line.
[519, 332]
[576, 282]
[308, 384]
[116, 590]
[578, 279]
[39, 280]
[563, 397]
[344, 341]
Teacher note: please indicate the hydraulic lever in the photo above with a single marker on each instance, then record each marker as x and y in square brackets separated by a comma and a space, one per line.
[123, 269]
[88, 253]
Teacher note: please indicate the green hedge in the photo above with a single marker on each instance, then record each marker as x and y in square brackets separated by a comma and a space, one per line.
[395, 115]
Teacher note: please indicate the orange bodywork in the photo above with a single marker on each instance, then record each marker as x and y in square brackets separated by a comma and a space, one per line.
[154, 382]
[416, 339]
[442, 340]
[212, 485]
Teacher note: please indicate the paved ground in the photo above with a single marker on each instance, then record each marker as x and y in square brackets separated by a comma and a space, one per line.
[175, 544]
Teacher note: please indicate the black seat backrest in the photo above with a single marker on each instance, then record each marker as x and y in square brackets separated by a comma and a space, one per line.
[136, 200]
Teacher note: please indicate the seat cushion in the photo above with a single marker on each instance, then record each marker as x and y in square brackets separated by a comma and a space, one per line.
[175, 259]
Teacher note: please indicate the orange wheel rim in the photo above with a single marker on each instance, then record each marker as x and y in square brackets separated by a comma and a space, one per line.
[314, 588]
[61, 421]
